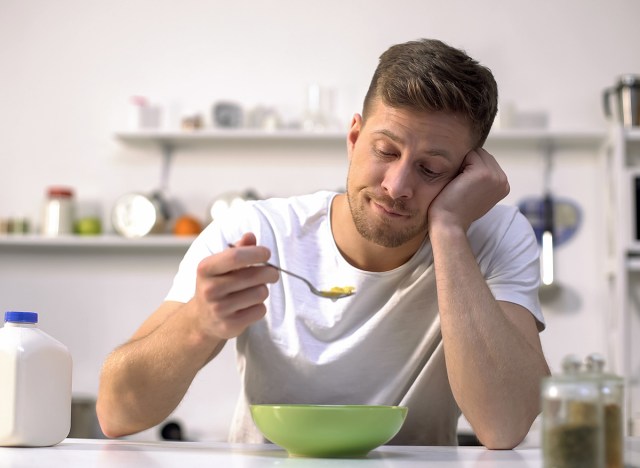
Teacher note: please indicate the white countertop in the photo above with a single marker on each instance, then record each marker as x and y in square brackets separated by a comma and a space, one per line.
[87, 453]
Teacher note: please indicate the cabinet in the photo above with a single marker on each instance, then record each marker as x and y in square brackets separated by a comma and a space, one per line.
[622, 159]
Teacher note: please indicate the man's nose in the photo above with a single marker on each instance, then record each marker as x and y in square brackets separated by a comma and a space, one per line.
[398, 180]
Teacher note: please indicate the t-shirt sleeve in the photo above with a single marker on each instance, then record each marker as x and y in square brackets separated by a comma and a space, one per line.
[214, 238]
[511, 262]
[184, 282]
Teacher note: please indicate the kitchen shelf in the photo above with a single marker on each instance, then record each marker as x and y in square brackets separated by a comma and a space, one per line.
[558, 138]
[106, 241]
[565, 138]
[175, 137]
[633, 262]
[632, 134]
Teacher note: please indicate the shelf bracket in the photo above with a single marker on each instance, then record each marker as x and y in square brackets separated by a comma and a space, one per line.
[165, 170]
[548, 150]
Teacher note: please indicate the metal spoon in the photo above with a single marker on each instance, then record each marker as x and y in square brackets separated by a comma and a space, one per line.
[334, 294]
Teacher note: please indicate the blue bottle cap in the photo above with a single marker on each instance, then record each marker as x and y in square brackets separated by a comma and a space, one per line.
[21, 317]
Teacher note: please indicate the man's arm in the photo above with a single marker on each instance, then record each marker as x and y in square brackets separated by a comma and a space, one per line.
[144, 380]
[492, 349]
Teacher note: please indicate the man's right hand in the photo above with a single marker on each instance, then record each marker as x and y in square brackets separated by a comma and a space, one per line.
[231, 288]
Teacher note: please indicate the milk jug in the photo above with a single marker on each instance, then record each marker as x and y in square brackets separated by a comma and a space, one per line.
[35, 384]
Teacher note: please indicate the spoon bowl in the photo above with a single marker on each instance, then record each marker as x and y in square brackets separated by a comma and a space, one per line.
[334, 293]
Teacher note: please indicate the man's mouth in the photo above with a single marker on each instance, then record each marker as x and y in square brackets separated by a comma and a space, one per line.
[390, 209]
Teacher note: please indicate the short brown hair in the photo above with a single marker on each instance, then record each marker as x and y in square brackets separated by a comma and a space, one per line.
[429, 75]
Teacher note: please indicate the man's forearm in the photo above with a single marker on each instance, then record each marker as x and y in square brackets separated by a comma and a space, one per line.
[493, 360]
[144, 380]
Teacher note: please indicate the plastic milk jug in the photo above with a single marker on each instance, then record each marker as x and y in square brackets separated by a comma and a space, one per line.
[35, 384]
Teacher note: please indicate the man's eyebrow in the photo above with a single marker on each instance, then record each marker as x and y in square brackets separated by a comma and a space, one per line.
[398, 139]
[390, 134]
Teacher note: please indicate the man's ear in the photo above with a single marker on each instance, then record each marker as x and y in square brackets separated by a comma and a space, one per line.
[354, 133]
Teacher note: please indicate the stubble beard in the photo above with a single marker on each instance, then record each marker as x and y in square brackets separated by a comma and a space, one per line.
[380, 231]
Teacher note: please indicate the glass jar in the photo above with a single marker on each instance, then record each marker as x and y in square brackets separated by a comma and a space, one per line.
[58, 214]
[612, 397]
[572, 419]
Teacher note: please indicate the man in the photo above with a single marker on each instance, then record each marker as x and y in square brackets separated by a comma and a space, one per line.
[445, 318]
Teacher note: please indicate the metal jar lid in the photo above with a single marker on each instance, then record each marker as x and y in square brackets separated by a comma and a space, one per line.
[629, 79]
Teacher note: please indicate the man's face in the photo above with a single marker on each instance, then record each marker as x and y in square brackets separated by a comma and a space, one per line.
[400, 160]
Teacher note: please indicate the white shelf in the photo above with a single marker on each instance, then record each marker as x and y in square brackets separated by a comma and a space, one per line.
[210, 135]
[96, 242]
[632, 134]
[633, 262]
[557, 137]
[569, 137]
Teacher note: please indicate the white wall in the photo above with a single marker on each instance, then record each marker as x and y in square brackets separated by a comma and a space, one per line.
[69, 67]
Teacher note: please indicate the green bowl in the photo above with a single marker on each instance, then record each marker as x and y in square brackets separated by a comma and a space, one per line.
[328, 430]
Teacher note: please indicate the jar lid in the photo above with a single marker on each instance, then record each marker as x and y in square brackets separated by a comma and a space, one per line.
[571, 364]
[594, 364]
[57, 191]
[21, 317]
[629, 80]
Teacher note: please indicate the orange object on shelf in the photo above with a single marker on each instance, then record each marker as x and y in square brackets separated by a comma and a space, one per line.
[187, 225]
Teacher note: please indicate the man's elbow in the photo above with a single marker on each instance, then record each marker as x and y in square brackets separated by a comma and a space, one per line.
[501, 441]
[106, 426]
[506, 437]
[109, 426]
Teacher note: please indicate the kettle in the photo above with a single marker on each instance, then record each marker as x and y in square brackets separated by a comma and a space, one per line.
[627, 94]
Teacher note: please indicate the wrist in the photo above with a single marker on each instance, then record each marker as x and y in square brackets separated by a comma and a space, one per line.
[446, 229]
[200, 337]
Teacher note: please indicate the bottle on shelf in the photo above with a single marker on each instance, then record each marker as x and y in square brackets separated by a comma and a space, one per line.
[58, 214]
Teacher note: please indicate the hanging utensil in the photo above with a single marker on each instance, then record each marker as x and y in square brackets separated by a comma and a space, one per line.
[549, 287]
[546, 259]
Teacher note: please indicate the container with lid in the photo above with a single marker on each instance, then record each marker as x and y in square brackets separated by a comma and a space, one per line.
[35, 384]
[572, 419]
[612, 399]
[626, 95]
[58, 213]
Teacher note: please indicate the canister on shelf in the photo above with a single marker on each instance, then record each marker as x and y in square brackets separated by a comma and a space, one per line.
[572, 419]
[612, 398]
[58, 213]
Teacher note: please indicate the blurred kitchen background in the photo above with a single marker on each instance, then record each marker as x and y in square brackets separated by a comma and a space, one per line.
[213, 100]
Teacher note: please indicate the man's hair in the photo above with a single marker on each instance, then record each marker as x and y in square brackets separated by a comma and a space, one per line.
[428, 75]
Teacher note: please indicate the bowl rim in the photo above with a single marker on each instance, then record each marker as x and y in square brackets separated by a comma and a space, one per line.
[324, 406]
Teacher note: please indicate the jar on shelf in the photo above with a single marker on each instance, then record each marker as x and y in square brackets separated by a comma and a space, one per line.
[58, 213]
[612, 398]
[572, 419]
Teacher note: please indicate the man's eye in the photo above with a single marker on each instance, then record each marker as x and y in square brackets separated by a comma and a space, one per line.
[428, 172]
[385, 153]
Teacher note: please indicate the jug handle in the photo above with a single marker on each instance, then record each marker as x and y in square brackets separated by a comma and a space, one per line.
[606, 102]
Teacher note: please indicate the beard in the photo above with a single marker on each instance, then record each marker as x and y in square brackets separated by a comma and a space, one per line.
[382, 231]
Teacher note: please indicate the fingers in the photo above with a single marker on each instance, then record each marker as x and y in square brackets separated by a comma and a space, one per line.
[247, 239]
[231, 287]
[214, 287]
[235, 324]
[245, 254]
[480, 184]
[486, 168]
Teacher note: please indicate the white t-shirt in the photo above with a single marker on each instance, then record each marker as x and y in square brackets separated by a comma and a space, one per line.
[383, 345]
